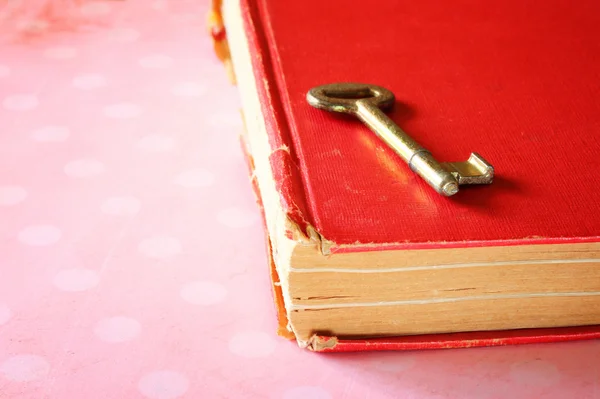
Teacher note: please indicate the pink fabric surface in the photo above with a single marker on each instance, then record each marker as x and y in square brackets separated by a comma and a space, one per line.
[132, 258]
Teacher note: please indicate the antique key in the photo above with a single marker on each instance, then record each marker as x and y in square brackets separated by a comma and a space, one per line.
[366, 103]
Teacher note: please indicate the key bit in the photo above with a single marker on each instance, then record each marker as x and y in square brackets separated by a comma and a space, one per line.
[366, 102]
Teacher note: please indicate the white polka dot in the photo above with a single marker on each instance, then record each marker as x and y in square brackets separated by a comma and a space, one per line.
[51, 133]
[32, 25]
[121, 206]
[195, 178]
[536, 373]
[117, 329]
[89, 81]
[122, 111]
[184, 18]
[252, 344]
[124, 35]
[94, 9]
[156, 61]
[164, 384]
[306, 392]
[392, 363]
[84, 168]
[226, 120]
[4, 71]
[61, 52]
[41, 235]
[237, 218]
[75, 280]
[5, 314]
[23, 368]
[203, 292]
[156, 143]
[20, 102]
[160, 247]
[12, 195]
[159, 5]
[189, 89]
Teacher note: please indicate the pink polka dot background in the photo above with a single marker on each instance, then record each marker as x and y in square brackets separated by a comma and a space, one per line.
[132, 259]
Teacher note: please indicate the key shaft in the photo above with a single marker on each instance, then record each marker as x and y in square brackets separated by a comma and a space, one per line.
[417, 157]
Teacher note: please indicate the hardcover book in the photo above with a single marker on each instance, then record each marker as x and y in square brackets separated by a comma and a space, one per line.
[364, 253]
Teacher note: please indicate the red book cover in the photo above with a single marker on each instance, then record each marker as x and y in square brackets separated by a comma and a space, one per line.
[514, 81]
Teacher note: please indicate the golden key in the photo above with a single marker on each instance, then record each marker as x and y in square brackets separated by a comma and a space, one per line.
[366, 103]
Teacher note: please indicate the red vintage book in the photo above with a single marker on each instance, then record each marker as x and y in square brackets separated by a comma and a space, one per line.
[364, 253]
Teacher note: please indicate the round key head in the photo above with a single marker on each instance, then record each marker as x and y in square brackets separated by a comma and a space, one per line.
[343, 97]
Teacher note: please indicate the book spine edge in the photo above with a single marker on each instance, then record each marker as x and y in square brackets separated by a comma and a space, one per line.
[285, 171]
[477, 339]
[282, 320]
